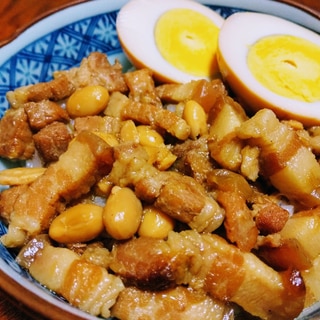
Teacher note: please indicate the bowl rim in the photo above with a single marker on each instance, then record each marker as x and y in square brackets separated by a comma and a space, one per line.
[17, 286]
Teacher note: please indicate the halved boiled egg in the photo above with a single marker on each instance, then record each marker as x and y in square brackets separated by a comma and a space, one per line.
[272, 63]
[176, 39]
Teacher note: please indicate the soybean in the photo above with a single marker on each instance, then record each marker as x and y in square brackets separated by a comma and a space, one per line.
[153, 142]
[155, 223]
[149, 136]
[129, 132]
[196, 118]
[122, 213]
[88, 101]
[80, 223]
[18, 176]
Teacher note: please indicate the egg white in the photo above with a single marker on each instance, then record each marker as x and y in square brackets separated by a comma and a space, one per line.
[240, 31]
[135, 26]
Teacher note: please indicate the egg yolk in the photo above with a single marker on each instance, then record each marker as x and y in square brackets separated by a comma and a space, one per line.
[287, 65]
[188, 40]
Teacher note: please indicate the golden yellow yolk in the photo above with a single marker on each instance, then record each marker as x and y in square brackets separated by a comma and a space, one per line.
[288, 66]
[188, 40]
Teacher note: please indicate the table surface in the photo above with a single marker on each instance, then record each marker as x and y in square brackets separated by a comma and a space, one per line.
[15, 15]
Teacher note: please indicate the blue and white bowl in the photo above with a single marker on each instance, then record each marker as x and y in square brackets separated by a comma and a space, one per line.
[61, 41]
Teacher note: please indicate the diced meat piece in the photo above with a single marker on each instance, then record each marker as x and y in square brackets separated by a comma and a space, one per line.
[83, 284]
[271, 218]
[141, 86]
[16, 140]
[7, 199]
[52, 141]
[147, 113]
[179, 303]
[97, 124]
[206, 93]
[43, 113]
[239, 224]
[285, 161]
[287, 255]
[193, 159]
[225, 117]
[96, 70]
[56, 89]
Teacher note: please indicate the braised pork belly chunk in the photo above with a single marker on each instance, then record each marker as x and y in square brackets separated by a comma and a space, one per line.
[193, 159]
[16, 140]
[160, 201]
[52, 141]
[56, 90]
[43, 113]
[179, 303]
[62, 270]
[95, 70]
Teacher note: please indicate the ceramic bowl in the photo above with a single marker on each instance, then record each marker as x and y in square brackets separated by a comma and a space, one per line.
[61, 41]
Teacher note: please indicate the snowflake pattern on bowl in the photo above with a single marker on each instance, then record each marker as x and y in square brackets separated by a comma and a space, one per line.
[61, 49]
